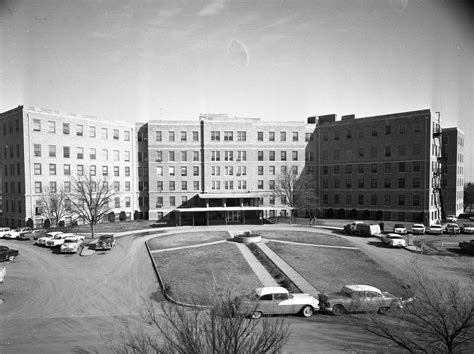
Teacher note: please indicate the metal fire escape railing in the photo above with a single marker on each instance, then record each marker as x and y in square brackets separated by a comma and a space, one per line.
[437, 179]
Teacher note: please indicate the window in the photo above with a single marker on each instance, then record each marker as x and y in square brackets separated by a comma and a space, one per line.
[92, 170]
[195, 136]
[159, 156]
[67, 170]
[127, 156]
[79, 130]
[159, 186]
[37, 168]
[241, 136]
[92, 132]
[116, 155]
[416, 182]
[195, 155]
[117, 186]
[104, 133]
[386, 200]
[159, 171]
[271, 155]
[401, 200]
[373, 199]
[282, 136]
[388, 129]
[360, 183]
[66, 128]
[184, 185]
[66, 152]
[228, 136]
[92, 153]
[416, 200]
[337, 183]
[171, 136]
[260, 155]
[260, 136]
[67, 186]
[215, 135]
[388, 167]
[184, 171]
[337, 169]
[80, 170]
[348, 169]
[228, 155]
[52, 169]
[295, 136]
[116, 171]
[171, 156]
[172, 201]
[294, 155]
[401, 183]
[416, 166]
[373, 183]
[388, 151]
[105, 154]
[325, 170]
[348, 183]
[402, 129]
[116, 134]
[308, 137]
[271, 136]
[283, 170]
[183, 136]
[52, 187]
[172, 185]
[373, 168]
[215, 155]
[105, 170]
[361, 152]
[36, 125]
[387, 183]
[195, 170]
[52, 150]
[127, 201]
[283, 155]
[361, 199]
[37, 150]
[127, 171]
[80, 153]
[126, 134]
[51, 127]
[38, 187]
[184, 200]
[260, 170]
[373, 151]
[325, 136]
[374, 131]
[336, 135]
[260, 184]
[417, 127]
[171, 170]
[401, 167]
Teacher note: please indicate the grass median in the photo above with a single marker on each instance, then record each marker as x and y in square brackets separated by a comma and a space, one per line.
[186, 239]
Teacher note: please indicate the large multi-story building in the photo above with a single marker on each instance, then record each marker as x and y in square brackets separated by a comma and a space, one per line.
[44, 149]
[222, 169]
[453, 171]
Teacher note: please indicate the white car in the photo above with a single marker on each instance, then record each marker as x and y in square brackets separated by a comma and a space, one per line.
[393, 240]
[467, 228]
[12, 234]
[418, 229]
[71, 244]
[4, 231]
[436, 229]
[451, 218]
[48, 236]
[275, 300]
[400, 229]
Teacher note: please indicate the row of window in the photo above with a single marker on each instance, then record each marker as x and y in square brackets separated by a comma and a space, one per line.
[12, 126]
[216, 135]
[9, 151]
[160, 201]
[79, 130]
[388, 167]
[13, 170]
[66, 153]
[13, 206]
[374, 183]
[80, 170]
[374, 199]
[374, 152]
[52, 187]
[374, 131]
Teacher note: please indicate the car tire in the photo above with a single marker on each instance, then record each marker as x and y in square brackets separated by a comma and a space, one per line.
[384, 310]
[338, 310]
[256, 315]
[307, 311]
[11, 258]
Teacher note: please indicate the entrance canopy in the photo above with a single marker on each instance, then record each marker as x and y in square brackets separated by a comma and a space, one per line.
[229, 195]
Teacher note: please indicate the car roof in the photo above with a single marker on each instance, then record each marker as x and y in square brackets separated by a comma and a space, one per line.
[392, 235]
[399, 225]
[418, 225]
[270, 290]
[436, 225]
[360, 287]
[54, 233]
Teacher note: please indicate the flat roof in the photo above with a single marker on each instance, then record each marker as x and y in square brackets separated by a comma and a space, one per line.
[185, 210]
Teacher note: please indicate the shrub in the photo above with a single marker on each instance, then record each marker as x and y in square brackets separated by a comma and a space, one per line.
[122, 216]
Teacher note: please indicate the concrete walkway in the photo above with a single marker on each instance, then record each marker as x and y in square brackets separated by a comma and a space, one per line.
[191, 246]
[295, 277]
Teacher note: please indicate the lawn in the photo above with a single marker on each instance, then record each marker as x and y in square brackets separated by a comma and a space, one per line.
[191, 272]
[306, 237]
[329, 269]
[113, 227]
[186, 239]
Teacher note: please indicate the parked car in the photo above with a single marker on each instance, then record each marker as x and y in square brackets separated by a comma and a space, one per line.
[4, 230]
[352, 227]
[48, 236]
[8, 254]
[71, 244]
[105, 242]
[467, 228]
[358, 298]
[436, 229]
[452, 227]
[57, 240]
[23, 230]
[12, 234]
[451, 218]
[418, 229]
[467, 247]
[393, 240]
[400, 229]
[275, 300]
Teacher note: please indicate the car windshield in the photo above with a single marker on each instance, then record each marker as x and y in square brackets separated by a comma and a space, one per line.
[399, 225]
[70, 240]
[394, 236]
[57, 237]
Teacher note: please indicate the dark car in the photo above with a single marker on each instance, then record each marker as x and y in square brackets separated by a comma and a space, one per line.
[467, 247]
[8, 254]
[452, 228]
[105, 242]
[358, 298]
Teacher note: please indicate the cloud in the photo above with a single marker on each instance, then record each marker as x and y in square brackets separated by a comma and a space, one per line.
[213, 8]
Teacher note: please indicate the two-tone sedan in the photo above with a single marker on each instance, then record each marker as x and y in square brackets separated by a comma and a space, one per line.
[275, 300]
[71, 244]
[393, 240]
[418, 229]
[359, 298]
[42, 240]
[400, 229]
[8, 254]
[435, 229]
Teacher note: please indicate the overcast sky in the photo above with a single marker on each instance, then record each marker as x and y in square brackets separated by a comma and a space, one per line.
[278, 60]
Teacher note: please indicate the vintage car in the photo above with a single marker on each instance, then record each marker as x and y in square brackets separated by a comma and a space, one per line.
[467, 228]
[467, 247]
[435, 229]
[358, 298]
[105, 242]
[399, 229]
[393, 240]
[4, 231]
[12, 234]
[8, 254]
[418, 229]
[275, 300]
[451, 228]
[48, 236]
[71, 244]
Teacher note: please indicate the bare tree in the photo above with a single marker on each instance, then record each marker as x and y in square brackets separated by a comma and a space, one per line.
[439, 319]
[90, 199]
[222, 327]
[468, 196]
[54, 205]
[296, 191]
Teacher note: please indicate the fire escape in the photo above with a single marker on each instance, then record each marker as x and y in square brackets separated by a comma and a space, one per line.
[437, 181]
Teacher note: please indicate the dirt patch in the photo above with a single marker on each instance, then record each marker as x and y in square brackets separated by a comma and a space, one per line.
[186, 239]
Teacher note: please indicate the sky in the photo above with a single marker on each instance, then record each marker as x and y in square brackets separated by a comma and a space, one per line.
[280, 60]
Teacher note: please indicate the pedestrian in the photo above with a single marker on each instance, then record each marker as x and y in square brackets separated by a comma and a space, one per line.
[453, 231]
[381, 224]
